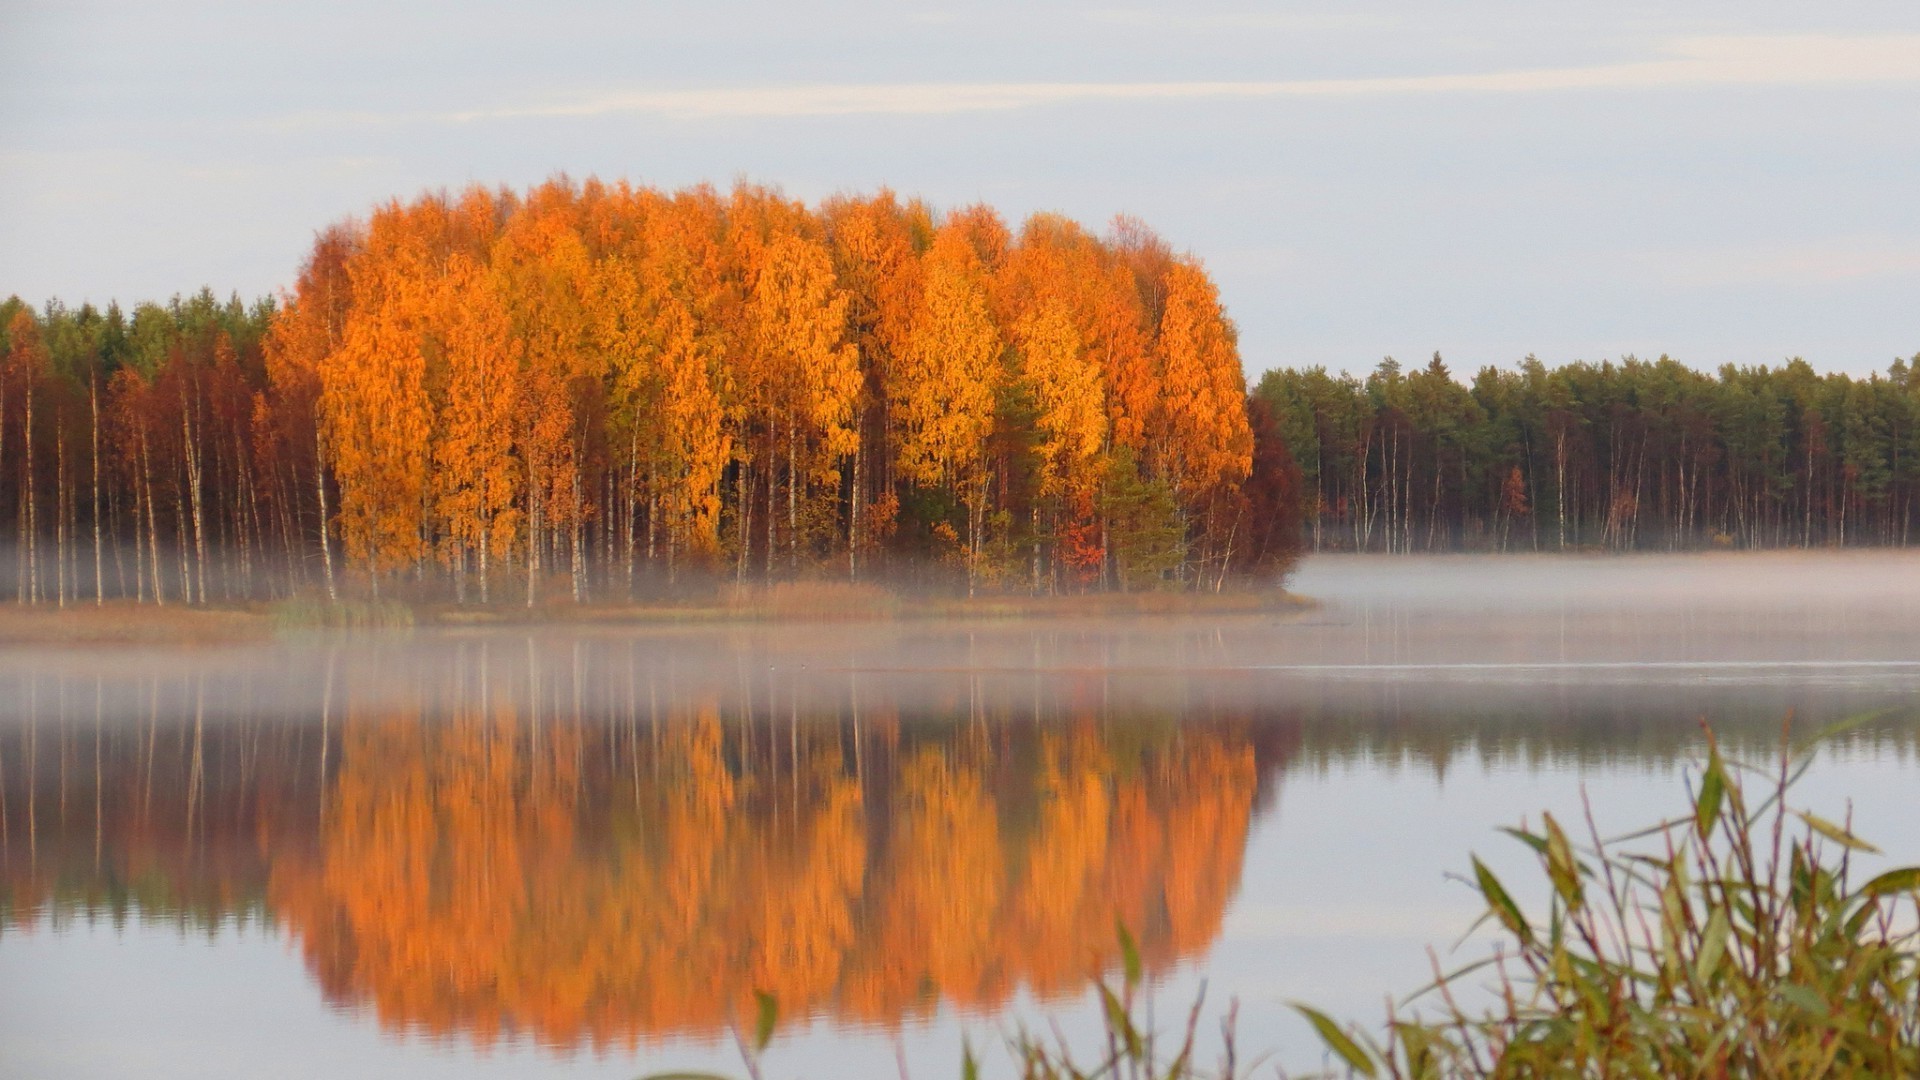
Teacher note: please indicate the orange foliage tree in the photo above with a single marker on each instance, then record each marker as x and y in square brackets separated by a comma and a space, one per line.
[627, 389]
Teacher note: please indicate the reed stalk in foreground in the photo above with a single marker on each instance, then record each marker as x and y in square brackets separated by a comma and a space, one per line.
[1130, 1047]
[1733, 941]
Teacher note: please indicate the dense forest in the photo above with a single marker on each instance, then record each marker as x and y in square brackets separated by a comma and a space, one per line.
[600, 391]
[597, 392]
[1634, 455]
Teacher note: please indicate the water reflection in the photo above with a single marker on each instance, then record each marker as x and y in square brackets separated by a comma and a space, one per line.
[502, 868]
[595, 842]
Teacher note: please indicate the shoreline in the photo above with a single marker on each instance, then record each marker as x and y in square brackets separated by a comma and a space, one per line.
[123, 622]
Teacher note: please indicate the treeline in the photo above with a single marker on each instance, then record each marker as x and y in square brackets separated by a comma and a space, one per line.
[1634, 455]
[624, 389]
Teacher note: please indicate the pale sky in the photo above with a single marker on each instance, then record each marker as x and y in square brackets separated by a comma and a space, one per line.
[1740, 183]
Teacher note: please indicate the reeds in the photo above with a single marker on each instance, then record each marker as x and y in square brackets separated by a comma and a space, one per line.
[1732, 941]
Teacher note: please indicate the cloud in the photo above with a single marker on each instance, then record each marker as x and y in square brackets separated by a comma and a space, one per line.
[1150, 19]
[1785, 61]
[1846, 259]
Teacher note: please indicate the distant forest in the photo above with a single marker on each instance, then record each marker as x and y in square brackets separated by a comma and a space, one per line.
[595, 391]
[1634, 455]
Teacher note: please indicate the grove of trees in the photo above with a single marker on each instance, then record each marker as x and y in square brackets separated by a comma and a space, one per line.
[1634, 455]
[601, 390]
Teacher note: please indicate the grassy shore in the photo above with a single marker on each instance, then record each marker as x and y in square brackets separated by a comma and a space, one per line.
[127, 623]
[841, 602]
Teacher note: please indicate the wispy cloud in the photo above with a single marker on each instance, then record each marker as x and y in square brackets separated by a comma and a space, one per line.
[1297, 22]
[1798, 60]
[1838, 261]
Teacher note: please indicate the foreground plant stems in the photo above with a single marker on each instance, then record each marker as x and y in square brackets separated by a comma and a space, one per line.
[1732, 941]
[1131, 1047]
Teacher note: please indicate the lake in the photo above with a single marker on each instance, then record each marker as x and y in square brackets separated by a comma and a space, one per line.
[577, 851]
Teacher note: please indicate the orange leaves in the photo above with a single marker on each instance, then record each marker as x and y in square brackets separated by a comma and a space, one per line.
[376, 417]
[537, 379]
[797, 315]
[1067, 392]
[1203, 438]
[475, 471]
[949, 373]
[26, 358]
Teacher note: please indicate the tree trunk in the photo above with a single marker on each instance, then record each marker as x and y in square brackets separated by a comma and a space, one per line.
[579, 546]
[853, 517]
[1560, 493]
[745, 523]
[153, 523]
[27, 523]
[773, 506]
[533, 534]
[60, 507]
[326, 546]
[193, 487]
[486, 539]
[793, 504]
[99, 566]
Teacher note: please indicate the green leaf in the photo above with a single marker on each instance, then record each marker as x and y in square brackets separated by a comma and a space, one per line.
[1713, 945]
[1537, 843]
[1129, 955]
[1846, 725]
[1805, 998]
[969, 1068]
[1119, 1022]
[769, 1015]
[1835, 833]
[1500, 903]
[1713, 790]
[1905, 879]
[1337, 1041]
[1561, 866]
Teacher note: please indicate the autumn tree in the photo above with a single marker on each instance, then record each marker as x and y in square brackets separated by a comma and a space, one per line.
[546, 275]
[618, 383]
[1071, 428]
[1201, 444]
[476, 473]
[877, 246]
[946, 384]
[809, 377]
[376, 416]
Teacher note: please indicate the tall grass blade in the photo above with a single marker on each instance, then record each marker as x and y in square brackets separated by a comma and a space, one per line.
[1338, 1041]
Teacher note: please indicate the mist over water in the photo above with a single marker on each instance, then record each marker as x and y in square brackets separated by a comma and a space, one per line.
[573, 850]
[1870, 584]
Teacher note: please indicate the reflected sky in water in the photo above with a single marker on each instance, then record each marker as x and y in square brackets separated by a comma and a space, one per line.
[576, 852]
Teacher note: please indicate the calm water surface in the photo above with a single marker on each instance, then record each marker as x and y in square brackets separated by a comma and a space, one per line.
[576, 853]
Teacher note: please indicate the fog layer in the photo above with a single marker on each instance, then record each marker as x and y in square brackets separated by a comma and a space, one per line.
[1432, 628]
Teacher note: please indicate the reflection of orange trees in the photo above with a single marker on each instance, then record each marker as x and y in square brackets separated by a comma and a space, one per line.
[491, 874]
[474, 879]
